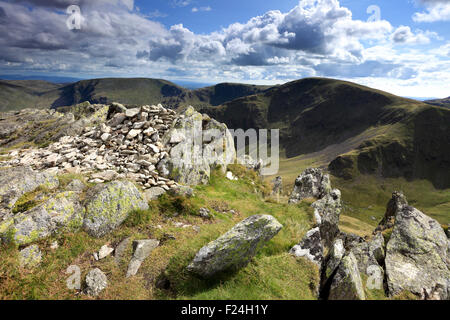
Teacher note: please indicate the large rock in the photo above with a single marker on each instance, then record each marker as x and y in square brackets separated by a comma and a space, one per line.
[416, 256]
[310, 247]
[327, 212]
[333, 260]
[96, 282]
[347, 283]
[15, 182]
[201, 143]
[369, 253]
[312, 183]
[142, 249]
[108, 205]
[370, 259]
[396, 204]
[234, 249]
[63, 212]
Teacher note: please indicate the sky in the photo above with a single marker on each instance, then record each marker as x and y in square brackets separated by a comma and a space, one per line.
[400, 46]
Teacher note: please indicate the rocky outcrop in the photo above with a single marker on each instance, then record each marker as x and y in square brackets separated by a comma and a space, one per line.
[142, 249]
[234, 249]
[416, 256]
[96, 282]
[310, 247]
[107, 206]
[396, 204]
[62, 212]
[370, 259]
[312, 183]
[197, 143]
[333, 261]
[327, 213]
[15, 182]
[347, 283]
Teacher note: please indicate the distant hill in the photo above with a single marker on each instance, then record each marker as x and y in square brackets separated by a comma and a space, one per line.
[53, 79]
[440, 102]
[20, 94]
[356, 128]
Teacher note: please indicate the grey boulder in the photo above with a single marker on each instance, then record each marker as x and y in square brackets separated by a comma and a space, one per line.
[416, 256]
[310, 247]
[108, 205]
[63, 212]
[312, 183]
[96, 282]
[142, 249]
[15, 182]
[347, 283]
[234, 249]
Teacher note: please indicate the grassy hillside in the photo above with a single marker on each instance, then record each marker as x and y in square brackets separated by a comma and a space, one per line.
[17, 94]
[440, 102]
[224, 92]
[272, 274]
[367, 131]
[137, 91]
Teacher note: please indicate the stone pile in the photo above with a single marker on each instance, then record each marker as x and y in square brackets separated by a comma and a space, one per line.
[127, 146]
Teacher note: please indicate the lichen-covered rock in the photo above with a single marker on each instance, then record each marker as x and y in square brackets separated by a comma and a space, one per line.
[396, 204]
[310, 247]
[327, 212]
[347, 283]
[234, 249]
[312, 183]
[96, 282]
[108, 205]
[142, 249]
[15, 182]
[376, 248]
[364, 256]
[416, 256]
[370, 259]
[30, 257]
[205, 144]
[63, 212]
[334, 258]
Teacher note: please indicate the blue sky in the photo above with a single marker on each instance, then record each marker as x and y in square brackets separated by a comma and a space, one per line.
[406, 50]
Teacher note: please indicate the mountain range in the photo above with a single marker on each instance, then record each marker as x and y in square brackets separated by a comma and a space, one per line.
[353, 129]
